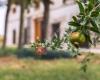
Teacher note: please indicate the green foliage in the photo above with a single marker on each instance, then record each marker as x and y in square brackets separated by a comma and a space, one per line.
[56, 45]
[86, 20]
[85, 62]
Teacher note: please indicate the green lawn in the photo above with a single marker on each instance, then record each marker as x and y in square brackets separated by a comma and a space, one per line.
[61, 69]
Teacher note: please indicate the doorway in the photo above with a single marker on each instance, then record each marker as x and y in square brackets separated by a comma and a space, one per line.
[37, 29]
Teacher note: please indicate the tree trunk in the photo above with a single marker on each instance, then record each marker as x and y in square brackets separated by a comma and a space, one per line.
[45, 20]
[20, 44]
[6, 24]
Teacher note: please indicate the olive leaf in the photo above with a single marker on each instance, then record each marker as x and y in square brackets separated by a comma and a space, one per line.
[81, 7]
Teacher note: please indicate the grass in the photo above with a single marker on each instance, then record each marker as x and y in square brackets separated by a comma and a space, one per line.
[57, 69]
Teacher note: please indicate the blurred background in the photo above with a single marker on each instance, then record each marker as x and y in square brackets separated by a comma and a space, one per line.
[25, 21]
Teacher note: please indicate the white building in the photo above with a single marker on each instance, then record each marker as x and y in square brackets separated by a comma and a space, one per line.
[60, 14]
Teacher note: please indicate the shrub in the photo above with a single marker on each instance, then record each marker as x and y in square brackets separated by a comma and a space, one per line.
[56, 55]
[28, 52]
[7, 51]
[25, 52]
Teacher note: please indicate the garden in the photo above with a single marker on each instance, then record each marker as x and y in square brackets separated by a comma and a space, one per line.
[48, 61]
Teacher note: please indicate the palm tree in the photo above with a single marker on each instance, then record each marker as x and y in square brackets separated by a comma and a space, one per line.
[24, 4]
[46, 17]
[21, 24]
[6, 23]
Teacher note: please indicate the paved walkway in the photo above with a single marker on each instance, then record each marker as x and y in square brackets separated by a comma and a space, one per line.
[94, 50]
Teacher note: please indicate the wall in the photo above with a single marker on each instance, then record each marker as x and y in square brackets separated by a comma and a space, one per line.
[62, 15]
[58, 13]
[14, 23]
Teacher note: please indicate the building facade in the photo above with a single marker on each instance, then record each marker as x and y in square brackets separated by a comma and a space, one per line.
[60, 14]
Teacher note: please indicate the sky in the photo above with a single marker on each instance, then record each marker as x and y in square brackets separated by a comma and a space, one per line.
[2, 17]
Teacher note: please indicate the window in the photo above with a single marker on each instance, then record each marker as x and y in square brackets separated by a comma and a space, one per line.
[69, 2]
[25, 36]
[28, 10]
[14, 36]
[14, 10]
[56, 29]
[64, 1]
